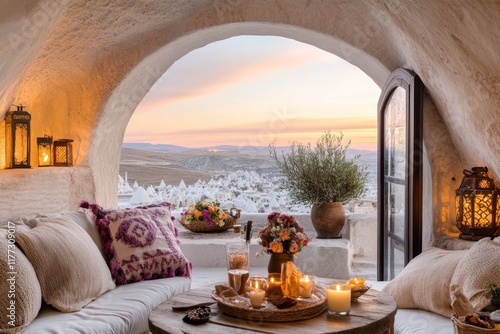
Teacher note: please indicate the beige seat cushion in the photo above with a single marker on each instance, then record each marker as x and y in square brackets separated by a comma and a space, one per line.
[425, 282]
[477, 270]
[21, 297]
[67, 262]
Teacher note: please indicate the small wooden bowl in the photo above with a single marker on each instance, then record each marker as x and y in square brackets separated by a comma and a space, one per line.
[357, 292]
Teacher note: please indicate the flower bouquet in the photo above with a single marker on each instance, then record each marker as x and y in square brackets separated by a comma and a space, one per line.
[282, 234]
[205, 216]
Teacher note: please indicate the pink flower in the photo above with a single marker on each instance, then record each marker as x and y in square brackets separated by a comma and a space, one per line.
[282, 234]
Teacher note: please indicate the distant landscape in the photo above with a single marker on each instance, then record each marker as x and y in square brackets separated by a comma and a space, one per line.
[148, 164]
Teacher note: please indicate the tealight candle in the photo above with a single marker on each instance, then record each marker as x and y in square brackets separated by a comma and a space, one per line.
[356, 282]
[306, 286]
[256, 287]
[339, 299]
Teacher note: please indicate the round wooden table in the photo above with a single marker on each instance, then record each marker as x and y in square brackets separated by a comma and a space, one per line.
[373, 313]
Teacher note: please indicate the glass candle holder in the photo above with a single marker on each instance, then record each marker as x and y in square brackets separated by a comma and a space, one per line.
[306, 286]
[274, 286]
[256, 288]
[237, 265]
[339, 299]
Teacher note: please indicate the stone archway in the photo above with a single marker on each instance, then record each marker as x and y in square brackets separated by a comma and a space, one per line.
[123, 101]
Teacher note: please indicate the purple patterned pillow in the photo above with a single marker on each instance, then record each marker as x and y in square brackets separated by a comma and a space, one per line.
[140, 243]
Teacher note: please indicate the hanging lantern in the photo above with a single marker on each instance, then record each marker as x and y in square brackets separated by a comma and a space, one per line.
[477, 203]
[44, 151]
[63, 152]
[17, 138]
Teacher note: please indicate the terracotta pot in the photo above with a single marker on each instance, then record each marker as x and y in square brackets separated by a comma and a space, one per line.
[276, 260]
[328, 220]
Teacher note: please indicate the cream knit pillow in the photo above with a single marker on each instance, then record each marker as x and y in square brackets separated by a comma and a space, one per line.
[67, 262]
[425, 281]
[477, 270]
[20, 293]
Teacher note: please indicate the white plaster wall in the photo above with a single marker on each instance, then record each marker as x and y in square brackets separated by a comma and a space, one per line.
[86, 57]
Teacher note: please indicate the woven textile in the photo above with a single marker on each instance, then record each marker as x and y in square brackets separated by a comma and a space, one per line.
[67, 262]
[477, 270]
[21, 297]
[425, 282]
[141, 243]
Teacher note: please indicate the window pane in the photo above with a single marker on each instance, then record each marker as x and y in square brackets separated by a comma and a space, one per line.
[395, 134]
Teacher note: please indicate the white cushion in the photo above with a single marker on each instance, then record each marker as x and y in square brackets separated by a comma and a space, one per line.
[69, 267]
[415, 321]
[124, 310]
[20, 292]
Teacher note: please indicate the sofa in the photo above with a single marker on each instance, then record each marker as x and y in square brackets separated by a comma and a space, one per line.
[417, 321]
[438, 283]
[104, 297]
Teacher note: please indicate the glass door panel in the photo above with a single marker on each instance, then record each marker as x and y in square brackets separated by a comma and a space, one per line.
[399, 197]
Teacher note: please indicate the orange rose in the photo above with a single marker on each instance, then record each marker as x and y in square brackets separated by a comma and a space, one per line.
[285, 234]
[212, 208]
[294, 248]
[276, 247]
[197, 213]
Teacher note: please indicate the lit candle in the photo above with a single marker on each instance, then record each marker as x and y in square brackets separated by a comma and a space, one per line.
[256, 297]
[339, 299]
[256, 289]
[274, 286]
[356, 282]
[306, 286]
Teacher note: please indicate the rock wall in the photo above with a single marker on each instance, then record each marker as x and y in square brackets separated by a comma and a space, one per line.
[81, 67]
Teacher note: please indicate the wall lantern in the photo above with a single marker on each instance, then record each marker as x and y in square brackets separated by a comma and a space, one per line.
[44, 151]
[17, 138]
[477, 202]
[63, 152]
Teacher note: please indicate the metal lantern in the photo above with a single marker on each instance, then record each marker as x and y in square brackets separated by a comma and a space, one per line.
[477, 203]
[44, 151]
[17, 138]
[63, 152]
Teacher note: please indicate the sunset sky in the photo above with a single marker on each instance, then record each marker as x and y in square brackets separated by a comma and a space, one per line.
[251, 90]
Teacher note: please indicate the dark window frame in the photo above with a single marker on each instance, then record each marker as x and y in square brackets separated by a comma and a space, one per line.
[412, 244]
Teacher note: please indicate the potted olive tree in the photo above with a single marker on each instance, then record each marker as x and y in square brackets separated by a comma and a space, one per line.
[323, 177]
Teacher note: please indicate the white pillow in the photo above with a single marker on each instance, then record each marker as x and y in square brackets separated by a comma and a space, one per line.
[425, 281]
[477, 270]
[19, 286]
[67, 262]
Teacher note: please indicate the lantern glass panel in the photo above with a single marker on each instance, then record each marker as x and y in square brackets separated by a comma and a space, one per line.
[498, 210]
[483, 204]
[44, 151]
[467, 210]
[63, 152]
[21, 144]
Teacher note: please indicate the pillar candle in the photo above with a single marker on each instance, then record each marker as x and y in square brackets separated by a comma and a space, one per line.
[274, 286]
[256, 297]
[306, 286]
[339, 299]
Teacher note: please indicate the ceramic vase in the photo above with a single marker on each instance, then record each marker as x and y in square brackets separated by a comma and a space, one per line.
[328, 219]
[276, 260]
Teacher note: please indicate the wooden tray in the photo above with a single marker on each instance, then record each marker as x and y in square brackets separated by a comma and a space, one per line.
[304, 309]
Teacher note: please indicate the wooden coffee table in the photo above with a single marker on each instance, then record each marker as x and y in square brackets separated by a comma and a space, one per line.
[373, 313]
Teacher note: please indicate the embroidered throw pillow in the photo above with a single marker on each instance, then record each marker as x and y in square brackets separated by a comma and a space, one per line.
[425, 281]
[141, 243]
[69, 267]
